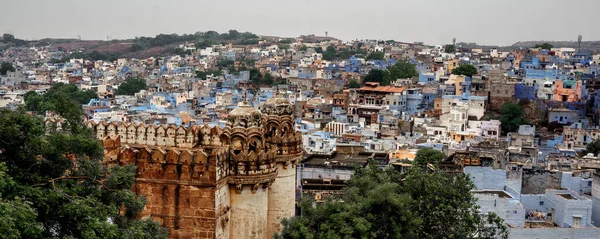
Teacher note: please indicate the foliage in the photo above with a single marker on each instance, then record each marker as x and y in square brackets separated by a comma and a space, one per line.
[201, 39]
[545, 45]
[284, 47]
[10, 39]
[512, 116]
[449, 48]
[428, 156]
[376, 55]
[224, 63]
[465, 70]
[593, 148]
[303, 48]
[373, 206]
[131, 86]
[347, 53]
[6, 67]
[401, 70]
[59, 188]
[375, 75]
[261, 79]
[447, 208]
[353, 84]
[329, 53]
[287, 41]
[63, 99]
[382, 203]
[203, 74]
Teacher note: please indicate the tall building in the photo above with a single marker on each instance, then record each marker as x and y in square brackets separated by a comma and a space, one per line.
[212, 182]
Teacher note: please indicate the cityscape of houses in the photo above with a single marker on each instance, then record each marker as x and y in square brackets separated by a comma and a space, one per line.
[538, 175]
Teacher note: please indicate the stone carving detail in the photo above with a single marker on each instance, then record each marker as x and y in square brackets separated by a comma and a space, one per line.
[179, 165]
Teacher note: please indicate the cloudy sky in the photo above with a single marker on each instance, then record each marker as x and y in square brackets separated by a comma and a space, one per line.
[490, 22]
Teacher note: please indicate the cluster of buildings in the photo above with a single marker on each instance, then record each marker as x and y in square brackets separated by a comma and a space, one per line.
[227, 137]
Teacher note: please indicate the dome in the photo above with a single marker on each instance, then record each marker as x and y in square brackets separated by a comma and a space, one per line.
[277, 105]
[244, 116]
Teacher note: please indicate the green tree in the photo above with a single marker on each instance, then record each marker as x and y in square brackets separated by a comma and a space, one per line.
[131, 86]
[465, 70]
[60, 176]
[375, 75]
[284, 47]
[511, 117]
[447, 208]
[63, 99]
[286, 41]
[372, 206]
[303, 48]
[428, 156]
[545, 45]
[401, 70]
[8, 37]
[329, 54]
[449, 48]
[353, 84]
[17, 217]
[593, 148]
[318, 50]
[382, 203]
[6, 67]
[224, 63]
[376, 55]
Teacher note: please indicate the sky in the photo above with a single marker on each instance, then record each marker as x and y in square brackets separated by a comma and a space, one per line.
[486, 22]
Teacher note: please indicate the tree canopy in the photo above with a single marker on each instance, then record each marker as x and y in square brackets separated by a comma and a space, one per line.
[428, 156]
[353, 84]
[329, 54]
[131, 86]
[545, 45]
[382, 203]
[6, 67]
[401, 70]
[591, 148]
[53, 185]
[376, 55]
[465, 70]
[512, 116]
[63, 99]
[261, 79]
[449, 48]
[375, 75]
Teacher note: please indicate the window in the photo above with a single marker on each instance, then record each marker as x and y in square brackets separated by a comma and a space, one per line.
[589, 183]
[541, 203]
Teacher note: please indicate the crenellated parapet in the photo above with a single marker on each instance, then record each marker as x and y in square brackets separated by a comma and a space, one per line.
[167, 165]
[149, 135]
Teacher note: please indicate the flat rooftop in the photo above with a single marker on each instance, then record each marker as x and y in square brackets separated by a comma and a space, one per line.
[500, 194]
[567, 196]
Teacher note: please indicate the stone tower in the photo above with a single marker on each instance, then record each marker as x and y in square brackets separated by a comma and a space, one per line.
[279, 129]
[212, 182]
[252, 171]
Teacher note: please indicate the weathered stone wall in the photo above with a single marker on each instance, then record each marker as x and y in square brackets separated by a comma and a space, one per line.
[223, 206]
[281, 196]
[249, 213]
